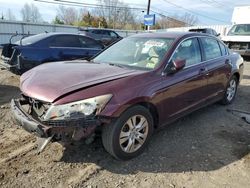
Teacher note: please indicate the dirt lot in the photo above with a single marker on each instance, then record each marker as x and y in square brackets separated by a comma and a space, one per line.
[209, 148]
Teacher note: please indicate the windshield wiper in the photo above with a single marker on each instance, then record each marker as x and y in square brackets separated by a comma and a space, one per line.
[116, 65]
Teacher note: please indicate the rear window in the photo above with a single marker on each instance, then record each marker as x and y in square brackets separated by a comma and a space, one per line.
[113, 34]
[98, 32]
[33, 39]
[89, 43]
[198, 30]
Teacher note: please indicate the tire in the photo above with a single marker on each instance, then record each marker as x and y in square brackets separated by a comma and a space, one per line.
[230, 91]
[121, 138]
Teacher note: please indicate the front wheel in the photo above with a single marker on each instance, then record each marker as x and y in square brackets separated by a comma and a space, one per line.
[128, 136]
[230, 91]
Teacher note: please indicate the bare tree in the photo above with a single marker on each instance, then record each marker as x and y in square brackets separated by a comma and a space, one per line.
[69, 15]
[30, 13]
[116, 13]
[170, 22]
[10, 15]
[189, 19]
[2, 17]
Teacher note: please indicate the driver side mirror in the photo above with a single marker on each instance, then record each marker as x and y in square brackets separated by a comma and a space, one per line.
[175, 66]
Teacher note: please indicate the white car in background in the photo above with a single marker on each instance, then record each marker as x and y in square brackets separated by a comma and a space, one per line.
[238, 37]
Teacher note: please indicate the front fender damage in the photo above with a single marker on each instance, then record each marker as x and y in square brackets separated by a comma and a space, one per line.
[63, 130]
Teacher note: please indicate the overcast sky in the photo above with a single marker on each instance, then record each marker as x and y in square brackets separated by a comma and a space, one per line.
[207, 11]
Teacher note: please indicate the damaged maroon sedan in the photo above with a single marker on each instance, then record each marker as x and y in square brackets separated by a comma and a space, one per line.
[137, 85]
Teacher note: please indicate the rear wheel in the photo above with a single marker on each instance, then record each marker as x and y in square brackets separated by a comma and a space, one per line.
[128, 136]
[230, 90]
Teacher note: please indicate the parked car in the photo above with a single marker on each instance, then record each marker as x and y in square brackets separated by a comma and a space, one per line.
[205, 30]
[139, 84]
[238, 39]
[105, 36]
[47, 47]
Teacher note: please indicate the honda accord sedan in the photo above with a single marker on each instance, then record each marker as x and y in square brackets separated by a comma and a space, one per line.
[135, 86]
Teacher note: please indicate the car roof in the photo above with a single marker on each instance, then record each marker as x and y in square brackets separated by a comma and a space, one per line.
[199, 29]
[58, 33]
[43, 36]
[170, 34]
[97, 29]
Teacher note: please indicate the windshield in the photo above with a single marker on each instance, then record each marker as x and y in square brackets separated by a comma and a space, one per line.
[32, 39]
[136, 52]
[240, 29]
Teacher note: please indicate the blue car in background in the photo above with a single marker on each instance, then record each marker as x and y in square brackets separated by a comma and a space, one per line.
[47, 47]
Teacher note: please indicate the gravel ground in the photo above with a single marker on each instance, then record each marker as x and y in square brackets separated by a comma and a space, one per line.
[208, 148]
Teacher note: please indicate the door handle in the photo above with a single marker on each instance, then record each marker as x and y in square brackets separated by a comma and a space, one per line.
[204, 70]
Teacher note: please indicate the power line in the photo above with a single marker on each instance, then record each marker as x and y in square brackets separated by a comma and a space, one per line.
[171, 18]
[181, 7]
[218, 3]
[213, 3]
[89, 5]
[107, 6]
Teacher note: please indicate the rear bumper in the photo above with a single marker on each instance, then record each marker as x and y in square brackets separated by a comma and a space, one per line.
[5, 59]
[73, 130]
[4, 64]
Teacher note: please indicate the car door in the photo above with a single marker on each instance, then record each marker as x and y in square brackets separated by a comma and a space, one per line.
[67, 47]
[186, 89]
[218, 66]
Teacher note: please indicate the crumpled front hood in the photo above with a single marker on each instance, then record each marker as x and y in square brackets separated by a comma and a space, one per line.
[52, 80]
[236, 38]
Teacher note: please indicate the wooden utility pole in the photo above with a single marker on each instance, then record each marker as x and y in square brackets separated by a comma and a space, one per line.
[148, 10]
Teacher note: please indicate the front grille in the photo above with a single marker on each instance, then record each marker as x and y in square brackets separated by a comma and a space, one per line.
[239, 45]
[79, 122]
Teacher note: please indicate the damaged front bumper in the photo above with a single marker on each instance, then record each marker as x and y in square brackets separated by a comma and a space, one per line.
[70, 129]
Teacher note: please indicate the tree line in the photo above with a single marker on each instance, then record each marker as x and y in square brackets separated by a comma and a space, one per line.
[117, 16]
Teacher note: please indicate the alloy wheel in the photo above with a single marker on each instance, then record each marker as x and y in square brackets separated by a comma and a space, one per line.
[133, 133]
[231, 90]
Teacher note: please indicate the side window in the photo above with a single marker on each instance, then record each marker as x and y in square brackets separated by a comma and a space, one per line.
[211, 48]
[104, 32]
[65, 41]
[89, 43]
[215, 33]
[223, 49]
[98, 32]
[188, 50]
[113, 34]
[209, 31]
